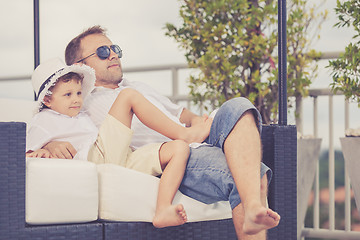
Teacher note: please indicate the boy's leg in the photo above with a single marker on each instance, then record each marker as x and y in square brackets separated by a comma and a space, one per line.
[173, 158]
[130, 102]
[112, 143]
[121, 109]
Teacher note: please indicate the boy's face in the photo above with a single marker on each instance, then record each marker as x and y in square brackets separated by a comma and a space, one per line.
[66, 98]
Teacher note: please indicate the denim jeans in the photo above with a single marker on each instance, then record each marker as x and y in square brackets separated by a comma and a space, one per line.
[207, 177]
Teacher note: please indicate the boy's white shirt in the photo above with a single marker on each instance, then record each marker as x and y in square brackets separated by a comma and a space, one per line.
[49, 125]
[99, 102]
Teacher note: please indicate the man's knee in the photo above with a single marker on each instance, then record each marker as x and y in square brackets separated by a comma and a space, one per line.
[250, 115]
[230, 104]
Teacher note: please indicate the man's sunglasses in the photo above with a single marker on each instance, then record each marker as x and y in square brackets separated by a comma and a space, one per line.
[103, 52]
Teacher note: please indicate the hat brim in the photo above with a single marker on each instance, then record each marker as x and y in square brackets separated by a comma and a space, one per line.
[88, 82]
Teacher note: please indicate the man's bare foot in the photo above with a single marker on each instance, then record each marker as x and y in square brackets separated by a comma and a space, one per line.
[173, 215]
[260, 218]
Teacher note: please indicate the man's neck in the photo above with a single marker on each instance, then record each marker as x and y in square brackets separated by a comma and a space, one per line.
[112, 85]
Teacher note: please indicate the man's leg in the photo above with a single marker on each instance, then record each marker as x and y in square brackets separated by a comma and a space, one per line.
[242, 149]
[208, 179]
[236, 129]
[239, 214]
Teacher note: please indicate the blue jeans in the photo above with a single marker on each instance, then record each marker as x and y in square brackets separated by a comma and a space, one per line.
[207, 177]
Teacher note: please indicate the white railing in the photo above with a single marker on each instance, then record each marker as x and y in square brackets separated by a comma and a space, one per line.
[331, 232]
[174, 68]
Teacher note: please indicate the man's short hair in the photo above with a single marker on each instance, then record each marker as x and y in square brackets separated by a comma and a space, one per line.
[73, 50]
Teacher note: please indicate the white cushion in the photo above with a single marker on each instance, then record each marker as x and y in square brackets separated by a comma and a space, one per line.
[128, 195]
[61, 191]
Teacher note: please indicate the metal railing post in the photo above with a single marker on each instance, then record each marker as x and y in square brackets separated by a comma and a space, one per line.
[316, 213]
[282, 65]
[36, 36]
[331, 167]
[347, 179]
[175, 83]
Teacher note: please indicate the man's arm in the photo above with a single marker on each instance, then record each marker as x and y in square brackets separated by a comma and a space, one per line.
[63, 150]
[189, 118]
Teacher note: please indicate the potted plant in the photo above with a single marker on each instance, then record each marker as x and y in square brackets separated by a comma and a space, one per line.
[346, 78]
[233, 44]
[308, 151]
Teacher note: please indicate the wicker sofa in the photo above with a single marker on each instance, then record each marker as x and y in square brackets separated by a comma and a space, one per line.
[279, 147]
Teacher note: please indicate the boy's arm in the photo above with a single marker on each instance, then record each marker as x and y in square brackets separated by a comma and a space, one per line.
[63, 150]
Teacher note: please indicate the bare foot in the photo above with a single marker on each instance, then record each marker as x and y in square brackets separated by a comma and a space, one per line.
[173, 215]
[200, 131]
[260, 218]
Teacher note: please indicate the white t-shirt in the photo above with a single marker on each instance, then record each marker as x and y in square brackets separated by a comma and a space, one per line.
[49, 125]
[99, 102]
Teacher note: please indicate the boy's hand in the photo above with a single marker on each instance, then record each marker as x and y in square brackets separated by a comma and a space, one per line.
[41, 153]
[62, 150]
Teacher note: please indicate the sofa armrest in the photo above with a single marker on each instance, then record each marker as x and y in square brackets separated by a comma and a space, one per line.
[280, 154]
[12, 178]
[12, 198]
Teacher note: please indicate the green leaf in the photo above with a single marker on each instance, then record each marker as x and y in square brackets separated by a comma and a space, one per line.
[234, 45]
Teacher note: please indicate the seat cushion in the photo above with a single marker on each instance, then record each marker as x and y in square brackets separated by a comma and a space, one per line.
[128, 195]
[61, 191]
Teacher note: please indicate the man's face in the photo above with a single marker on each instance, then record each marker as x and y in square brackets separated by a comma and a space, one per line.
[108, 71]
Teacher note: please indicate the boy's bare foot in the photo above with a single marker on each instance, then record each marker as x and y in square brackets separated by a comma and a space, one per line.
[200, 131]
[173, 215]
[260, 218]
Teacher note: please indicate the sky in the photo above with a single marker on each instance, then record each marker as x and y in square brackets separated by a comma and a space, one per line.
[138, 27]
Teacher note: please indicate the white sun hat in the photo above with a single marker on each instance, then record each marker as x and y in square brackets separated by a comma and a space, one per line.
[47, 73]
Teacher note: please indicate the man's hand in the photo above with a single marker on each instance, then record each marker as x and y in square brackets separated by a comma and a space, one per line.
[63, 150]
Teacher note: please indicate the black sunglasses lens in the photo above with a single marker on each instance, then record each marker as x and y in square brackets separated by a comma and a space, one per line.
[103, 52]
[116, 50]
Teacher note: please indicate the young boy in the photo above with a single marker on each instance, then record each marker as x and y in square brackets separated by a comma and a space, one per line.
[61, 89]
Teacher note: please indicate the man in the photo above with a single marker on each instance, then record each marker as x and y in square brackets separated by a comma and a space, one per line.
[228, 167]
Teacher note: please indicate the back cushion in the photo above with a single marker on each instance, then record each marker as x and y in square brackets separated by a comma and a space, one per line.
[17, 110]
